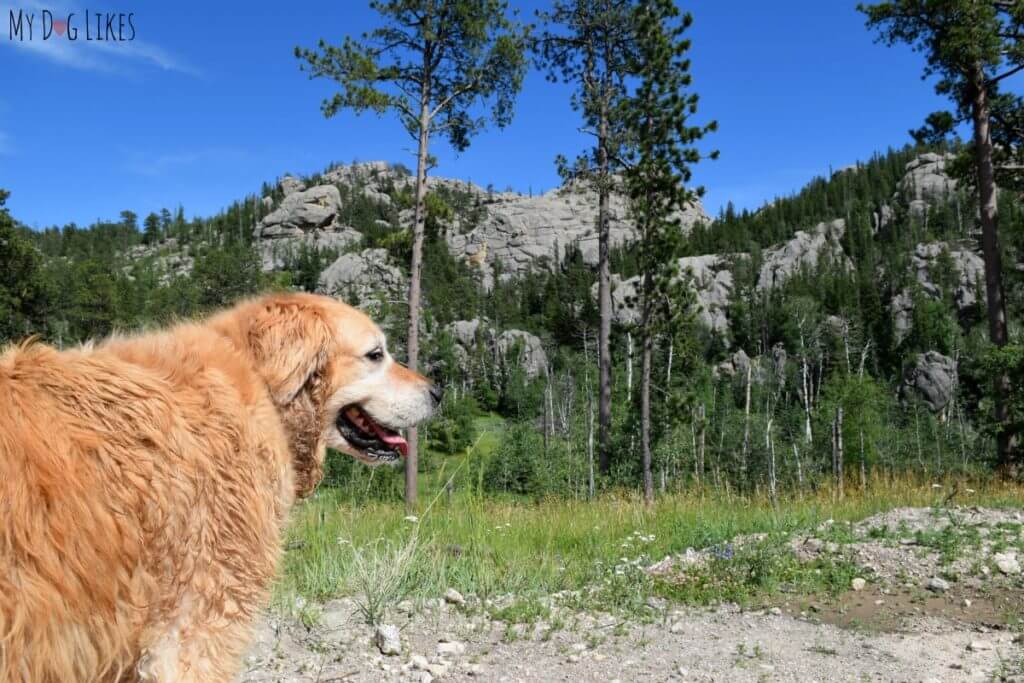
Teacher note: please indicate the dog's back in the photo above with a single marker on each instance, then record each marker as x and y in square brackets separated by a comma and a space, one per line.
[115, 466]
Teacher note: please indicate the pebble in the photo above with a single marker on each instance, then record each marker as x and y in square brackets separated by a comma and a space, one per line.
[767, 668]
[858, 584]
[388, 640]
[979, 646]
[937, 585]
[775, 612]
[574, 659]
[677, 627]
[474, 670]
[967, 602]
[419, 662]
[454, 597]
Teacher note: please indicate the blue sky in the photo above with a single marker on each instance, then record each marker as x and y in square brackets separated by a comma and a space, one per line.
[208, 102]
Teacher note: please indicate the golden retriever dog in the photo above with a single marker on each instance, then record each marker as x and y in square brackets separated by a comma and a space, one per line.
[145, 481]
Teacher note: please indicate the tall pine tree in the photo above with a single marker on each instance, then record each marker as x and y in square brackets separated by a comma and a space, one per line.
[662, 145]
[435, 64]
[972, 46]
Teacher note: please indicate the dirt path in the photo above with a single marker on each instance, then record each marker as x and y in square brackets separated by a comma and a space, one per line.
[897, 626]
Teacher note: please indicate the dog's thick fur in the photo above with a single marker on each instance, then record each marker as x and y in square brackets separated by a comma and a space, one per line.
[145, 482]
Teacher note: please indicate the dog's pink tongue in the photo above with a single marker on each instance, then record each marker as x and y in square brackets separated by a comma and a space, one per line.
[391, 439]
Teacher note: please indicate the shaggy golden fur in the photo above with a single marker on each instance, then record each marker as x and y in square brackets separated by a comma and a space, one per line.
[145, 482]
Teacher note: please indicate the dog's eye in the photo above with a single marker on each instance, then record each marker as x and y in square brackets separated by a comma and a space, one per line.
[377, 355]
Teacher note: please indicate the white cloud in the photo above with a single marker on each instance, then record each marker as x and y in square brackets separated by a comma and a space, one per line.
[93, 55]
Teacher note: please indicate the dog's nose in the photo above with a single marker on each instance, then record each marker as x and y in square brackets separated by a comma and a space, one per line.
[436, 393]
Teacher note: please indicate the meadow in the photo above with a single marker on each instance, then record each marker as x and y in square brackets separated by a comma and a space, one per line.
[513, 554]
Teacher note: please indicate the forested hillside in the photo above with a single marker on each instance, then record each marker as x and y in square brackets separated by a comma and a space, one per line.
[842, 327]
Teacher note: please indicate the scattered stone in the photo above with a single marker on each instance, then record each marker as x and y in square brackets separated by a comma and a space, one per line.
[454, 597]
[767, 668]
[573, 659]
[453, 649]
[938, 585]
[775, 612]
[388, 640]
[979, 646]
[858, 584]
[967, 602]
[474, 670]
[1007, 563]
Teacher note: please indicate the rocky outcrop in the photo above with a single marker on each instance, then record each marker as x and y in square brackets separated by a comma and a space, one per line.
[761, 368]
[927, 180]
[969, 273]
[518, 229]
[304, 219]
[290, 185]
[932, 379]
[360, 277]
[300, 212]
[372, 178]
[712, 282]
[168, 258]
[528, 348]
[806, 249]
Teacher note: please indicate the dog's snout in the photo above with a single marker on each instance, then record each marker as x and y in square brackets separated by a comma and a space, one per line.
[436, 393]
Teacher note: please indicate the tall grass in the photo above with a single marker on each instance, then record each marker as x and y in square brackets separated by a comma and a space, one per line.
[491, 547]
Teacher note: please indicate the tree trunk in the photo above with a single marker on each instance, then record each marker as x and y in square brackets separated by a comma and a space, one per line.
[837, 452]
[415, 268]
[1008, 462]
[702, 424]
[746, 430]
[604, 295]
[645, 416]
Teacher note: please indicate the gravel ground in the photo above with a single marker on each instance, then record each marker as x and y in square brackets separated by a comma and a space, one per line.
[894, 627]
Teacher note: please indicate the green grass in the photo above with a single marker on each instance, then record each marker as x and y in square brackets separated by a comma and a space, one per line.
[593, 550]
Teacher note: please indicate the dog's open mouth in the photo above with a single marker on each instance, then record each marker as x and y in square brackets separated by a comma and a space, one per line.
[366, 434]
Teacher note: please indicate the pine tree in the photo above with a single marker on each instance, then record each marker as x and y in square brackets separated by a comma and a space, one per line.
[972, 46]
[590, 43]
[433, 63]
[662, 151]
[151, 229]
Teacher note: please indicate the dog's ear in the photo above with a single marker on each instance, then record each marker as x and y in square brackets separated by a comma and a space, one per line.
[289, 341]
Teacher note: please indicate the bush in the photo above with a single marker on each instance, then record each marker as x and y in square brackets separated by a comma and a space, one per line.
[453, 429]
[520, 465]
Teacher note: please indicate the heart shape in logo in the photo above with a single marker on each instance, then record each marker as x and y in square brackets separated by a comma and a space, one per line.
[60, 26]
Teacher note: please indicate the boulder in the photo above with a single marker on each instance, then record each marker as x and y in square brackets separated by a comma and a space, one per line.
[806, 249]
[360, 276]
[301, 211]
[464, 331]
[932, 379]
[531, 356]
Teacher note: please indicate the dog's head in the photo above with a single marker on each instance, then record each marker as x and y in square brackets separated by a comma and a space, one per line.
[333, 381]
